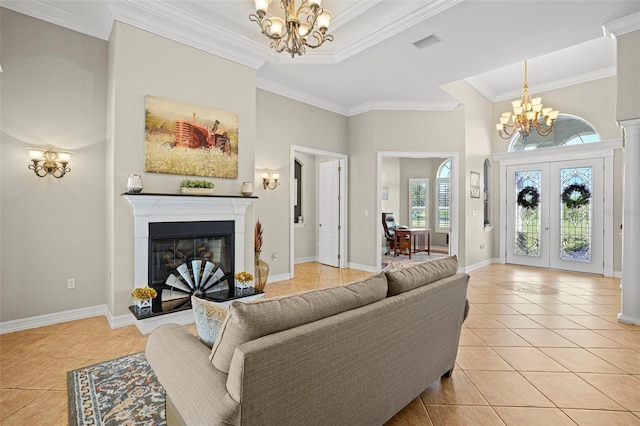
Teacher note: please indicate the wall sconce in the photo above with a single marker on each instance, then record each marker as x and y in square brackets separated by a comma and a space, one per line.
[49, 162]
[270, 180]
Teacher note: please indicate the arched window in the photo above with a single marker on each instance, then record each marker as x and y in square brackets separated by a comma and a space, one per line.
[568, 130]
[443, 194]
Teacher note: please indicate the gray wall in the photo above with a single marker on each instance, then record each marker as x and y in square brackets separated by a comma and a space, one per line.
[628, 104]
[53, 95]
[392, 131]
[144, 64]
[280, 123]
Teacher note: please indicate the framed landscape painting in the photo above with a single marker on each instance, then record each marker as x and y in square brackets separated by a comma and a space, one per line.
[185, 139]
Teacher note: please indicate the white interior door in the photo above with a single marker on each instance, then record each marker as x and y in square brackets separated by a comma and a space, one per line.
[555, 215]
[329, 213]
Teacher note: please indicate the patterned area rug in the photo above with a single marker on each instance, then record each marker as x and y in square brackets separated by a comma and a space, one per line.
[122, 391]
[403, 260]
[527, 287]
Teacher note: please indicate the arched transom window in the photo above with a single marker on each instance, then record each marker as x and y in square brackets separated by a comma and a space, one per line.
[568, 130]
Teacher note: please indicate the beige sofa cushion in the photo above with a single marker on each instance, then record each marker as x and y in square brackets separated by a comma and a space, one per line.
[248, 321]
[405, 279]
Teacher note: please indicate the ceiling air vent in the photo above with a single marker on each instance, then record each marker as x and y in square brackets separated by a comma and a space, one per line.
[427, 41]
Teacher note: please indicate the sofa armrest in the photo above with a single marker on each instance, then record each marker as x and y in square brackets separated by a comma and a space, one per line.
[196, 389]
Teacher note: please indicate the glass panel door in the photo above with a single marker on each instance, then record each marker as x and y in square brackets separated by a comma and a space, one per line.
[555, 215]
[578, 216]
[527, 215]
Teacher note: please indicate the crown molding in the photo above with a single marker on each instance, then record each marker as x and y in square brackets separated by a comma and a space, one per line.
[401, 106]
[190, 30]
[396, 22]
[622, 26]
[288, 92]
[100, 28]
[352, 11]
[545, 87]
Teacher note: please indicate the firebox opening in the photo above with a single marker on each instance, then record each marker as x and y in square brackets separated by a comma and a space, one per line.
[191, 258]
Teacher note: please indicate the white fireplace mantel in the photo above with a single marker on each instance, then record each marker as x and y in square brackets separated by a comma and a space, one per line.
[151, 208]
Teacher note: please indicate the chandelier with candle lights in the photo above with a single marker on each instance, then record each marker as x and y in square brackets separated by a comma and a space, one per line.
[528, 115]
[304, 25]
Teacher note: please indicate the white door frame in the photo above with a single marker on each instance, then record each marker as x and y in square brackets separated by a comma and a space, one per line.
[455, 184]
[603, 149]
[343, 200]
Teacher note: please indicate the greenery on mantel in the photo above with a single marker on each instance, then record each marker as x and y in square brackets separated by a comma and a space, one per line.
[195, 183]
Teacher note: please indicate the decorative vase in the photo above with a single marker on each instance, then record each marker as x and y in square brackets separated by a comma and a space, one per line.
[143, 303]
[247, 189]
[134, 184]
[243, 284]
[261, 272]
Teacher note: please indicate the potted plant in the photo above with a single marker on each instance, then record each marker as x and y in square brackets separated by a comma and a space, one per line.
[196, 186]
[243, 278]
[143, 295]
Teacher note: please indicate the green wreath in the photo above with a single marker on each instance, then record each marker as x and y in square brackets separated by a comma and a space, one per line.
[576, 195]
[528, 197]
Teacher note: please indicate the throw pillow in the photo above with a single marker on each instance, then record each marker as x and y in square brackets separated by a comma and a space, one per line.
[249, 321]
[208, 317]
[414, 276]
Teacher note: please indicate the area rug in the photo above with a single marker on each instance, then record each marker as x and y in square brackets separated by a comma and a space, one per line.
[528, 287]
[402, 260]
[121, 391]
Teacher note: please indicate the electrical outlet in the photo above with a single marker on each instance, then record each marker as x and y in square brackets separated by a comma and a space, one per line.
[274, 256]
[71, 283]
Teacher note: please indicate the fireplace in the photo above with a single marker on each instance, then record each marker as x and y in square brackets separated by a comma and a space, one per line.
[191, 258]
[202, 229]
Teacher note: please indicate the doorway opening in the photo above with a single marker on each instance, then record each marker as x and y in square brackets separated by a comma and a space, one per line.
[318, 207]
[390, 195]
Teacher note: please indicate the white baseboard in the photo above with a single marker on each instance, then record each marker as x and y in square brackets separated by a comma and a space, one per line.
[478, 265]
[617, 274]
[54, 318]
[305, 260]
[365, 268]
[628, 320]
[120, 320]
[279, 277]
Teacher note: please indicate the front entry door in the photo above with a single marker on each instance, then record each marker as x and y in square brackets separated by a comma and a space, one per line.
[555, 215]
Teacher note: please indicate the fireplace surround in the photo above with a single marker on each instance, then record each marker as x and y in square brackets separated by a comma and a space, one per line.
[152, 210]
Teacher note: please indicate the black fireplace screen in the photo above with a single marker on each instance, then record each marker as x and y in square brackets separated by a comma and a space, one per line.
[191, 258]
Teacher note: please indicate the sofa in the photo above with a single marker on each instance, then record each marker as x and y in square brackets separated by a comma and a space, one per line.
[349, 355]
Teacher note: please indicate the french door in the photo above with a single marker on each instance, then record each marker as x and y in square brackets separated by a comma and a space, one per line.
[555, 215]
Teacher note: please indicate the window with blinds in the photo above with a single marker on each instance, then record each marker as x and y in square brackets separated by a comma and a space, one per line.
[443, 197]
[418, 203]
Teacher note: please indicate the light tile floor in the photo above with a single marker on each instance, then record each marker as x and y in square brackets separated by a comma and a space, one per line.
[524, 359]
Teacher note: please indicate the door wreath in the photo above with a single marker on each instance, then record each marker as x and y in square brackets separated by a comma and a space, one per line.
[528, 197]
[576, 195]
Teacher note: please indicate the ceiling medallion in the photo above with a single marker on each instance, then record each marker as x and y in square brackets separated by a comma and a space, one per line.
[304, 25]
[528, 114]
